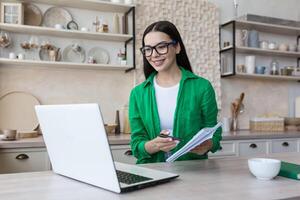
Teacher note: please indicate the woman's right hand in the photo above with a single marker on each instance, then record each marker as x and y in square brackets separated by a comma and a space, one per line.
[160, 144]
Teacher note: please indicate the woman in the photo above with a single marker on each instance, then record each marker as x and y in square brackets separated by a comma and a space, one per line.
[172, 100]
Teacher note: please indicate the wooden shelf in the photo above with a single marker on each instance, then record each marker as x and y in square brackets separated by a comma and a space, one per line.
[103, 6]
[268, 52]
[268, 28]
[39, 30]
[264, 76]
[35, 63]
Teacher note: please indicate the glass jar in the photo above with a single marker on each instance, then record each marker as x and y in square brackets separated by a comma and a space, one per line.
[274, 67]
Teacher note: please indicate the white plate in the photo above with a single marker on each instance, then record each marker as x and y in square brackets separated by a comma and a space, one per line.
[69, 55]
[17, 111]
[32, 15]
[100, 55]
[57, 15]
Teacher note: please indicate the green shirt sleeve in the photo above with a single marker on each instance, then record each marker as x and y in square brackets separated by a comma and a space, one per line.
[210, 112]
[138, 132]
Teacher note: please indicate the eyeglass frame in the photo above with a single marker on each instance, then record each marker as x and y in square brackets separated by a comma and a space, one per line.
[173, 42]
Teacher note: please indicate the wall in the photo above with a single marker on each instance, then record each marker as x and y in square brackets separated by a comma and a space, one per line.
[262, 96]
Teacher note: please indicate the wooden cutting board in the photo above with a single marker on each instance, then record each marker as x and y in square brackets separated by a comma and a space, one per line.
[17, 111]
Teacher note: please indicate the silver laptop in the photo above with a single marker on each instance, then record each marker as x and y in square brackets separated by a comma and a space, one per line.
[78, 148]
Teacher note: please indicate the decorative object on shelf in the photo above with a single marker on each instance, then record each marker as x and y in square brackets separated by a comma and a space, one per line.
[54, 54]
[17, 111]
[110, 128]
[267, 124]
[115, 1]
[121, 56]
[116, 23]
[12, 55]
[250, 64]
[226, 44]
[236, 6]
[293, 47]
[5, 39]
[128, 2]
[32, 15]
[226, 124]
[241, 68]
[72, 25]
[274, 67]
[70, 54]
[283, 47]
[287, 70]
[260, 69]
[56, 15]
[49, 52]
[264, 44]
[273, 46]
[91, 60]
[241, 36]
[117, 121]
[34, 46]
[101, 56]
[12, 13]
[237, 107]
[59, 26]
[253, 38]
[96, 23]
[84, 29]
[21, 56]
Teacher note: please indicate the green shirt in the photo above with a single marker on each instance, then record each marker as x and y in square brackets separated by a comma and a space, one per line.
[196, 108]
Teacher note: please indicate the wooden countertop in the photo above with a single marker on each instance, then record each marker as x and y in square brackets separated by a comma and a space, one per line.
[124, 139]
[226, 179]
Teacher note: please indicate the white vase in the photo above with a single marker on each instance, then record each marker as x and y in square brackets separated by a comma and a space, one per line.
[250, 64]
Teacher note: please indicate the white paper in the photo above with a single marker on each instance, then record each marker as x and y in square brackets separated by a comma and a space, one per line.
[203, 135]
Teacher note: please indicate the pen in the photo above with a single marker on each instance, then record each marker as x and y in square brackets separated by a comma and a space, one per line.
[168, 136]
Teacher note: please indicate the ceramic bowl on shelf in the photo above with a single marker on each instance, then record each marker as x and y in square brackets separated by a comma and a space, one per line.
[264, 168]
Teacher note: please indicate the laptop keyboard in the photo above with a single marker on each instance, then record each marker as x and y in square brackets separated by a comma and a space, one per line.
[128, 178]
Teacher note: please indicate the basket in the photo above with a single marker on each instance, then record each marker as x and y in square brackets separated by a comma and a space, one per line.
[267, 124]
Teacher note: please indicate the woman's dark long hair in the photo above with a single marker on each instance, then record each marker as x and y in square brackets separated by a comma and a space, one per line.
[171, 30]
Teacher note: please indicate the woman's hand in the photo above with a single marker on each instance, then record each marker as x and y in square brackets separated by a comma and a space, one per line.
[160, 144]
[203, 148]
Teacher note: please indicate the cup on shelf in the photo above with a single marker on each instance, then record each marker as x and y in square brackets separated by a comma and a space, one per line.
[12, 55]
[264, 44]
[84, 29]
[293, 47]
[272, 46]
[59, 26]
[21, 56]
[260, 69]
[226, 123]
[253, 39]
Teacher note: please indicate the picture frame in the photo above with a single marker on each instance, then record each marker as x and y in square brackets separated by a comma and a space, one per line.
[12, 13]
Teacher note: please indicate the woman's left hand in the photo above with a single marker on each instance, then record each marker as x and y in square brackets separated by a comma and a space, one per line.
[203, 148]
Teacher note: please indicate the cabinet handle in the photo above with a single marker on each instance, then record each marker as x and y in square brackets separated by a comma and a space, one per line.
[22, 157]
[220, 148]
[285, 144]
[253, 146]
[128, 153]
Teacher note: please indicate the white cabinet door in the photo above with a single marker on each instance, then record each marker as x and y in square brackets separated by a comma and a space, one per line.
[284, 145]
[228, 148]
[24, 160]
[121, 153]
[249, 148]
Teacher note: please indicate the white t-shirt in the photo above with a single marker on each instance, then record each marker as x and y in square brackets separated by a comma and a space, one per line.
[166, 99]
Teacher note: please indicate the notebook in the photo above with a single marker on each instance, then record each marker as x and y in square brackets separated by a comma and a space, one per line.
[289, 170]
[78, 148]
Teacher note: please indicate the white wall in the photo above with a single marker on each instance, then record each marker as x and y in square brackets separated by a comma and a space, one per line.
[287, 9]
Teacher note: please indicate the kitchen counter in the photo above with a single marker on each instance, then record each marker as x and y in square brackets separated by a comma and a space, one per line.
[226, 178]
[124, 139]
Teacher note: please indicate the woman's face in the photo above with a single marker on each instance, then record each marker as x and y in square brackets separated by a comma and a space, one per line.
[164, 57]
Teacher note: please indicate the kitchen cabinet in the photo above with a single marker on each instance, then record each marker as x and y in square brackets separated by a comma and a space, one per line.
[80, 37]
[24, 160]
[233, 53]
[284, 145]
[249, 148]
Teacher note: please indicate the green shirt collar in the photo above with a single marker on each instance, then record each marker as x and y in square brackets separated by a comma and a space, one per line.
[186, 74]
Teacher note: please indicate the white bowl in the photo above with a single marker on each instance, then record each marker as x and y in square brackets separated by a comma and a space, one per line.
[264, 168]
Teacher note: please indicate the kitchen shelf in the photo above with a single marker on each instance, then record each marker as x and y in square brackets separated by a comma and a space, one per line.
[39, 30]
[264, 76]
[267, 52]
[70, 65]
[103, 6]
[269, 28]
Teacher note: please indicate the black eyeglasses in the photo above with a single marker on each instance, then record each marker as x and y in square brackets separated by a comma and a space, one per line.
[161, 48]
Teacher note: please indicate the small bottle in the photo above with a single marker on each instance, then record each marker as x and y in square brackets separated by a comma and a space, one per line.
[274, 67]
[117, 121]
